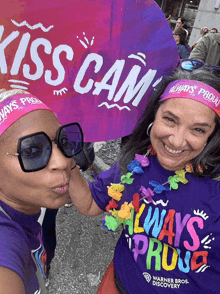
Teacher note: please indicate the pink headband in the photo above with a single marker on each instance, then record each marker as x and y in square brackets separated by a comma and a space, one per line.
[17, 106]
[193, 90]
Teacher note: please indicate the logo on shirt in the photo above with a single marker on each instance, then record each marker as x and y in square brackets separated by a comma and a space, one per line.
[147, 277]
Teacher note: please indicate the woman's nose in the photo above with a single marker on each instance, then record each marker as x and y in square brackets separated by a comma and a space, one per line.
[57, 159]
[178, 139]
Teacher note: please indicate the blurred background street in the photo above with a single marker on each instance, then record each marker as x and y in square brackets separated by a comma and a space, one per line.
[84, 248]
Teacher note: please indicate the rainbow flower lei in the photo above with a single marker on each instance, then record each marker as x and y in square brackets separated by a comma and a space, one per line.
[125, 214]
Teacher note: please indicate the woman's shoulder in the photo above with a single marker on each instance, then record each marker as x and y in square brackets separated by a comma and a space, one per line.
[15, 253]
[16, 236]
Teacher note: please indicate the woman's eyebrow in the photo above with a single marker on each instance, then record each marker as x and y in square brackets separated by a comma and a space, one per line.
[177, 118]
[202, 125]
[172, 114]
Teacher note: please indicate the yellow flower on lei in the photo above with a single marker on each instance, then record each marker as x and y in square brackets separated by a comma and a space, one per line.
[114, 194]
[181, 176]
[118, 187]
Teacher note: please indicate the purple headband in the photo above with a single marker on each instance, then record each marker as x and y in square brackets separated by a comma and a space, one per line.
[193, 90]
[11, 109]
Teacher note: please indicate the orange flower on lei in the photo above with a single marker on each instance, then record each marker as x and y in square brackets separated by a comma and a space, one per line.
[125, 211]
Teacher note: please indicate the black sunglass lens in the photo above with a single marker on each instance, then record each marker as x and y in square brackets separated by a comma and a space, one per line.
[71, 140]
[35, 152]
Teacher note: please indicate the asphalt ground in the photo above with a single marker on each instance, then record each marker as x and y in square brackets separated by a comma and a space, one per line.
[84, 248]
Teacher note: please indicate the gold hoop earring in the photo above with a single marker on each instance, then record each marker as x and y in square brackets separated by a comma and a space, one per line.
[148, 129]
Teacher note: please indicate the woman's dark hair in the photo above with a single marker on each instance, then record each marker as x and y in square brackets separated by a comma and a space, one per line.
[183, 20]
[182, 34]
[138, 142]
[214, 29]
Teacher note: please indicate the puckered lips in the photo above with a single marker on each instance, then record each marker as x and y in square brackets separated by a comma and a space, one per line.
[62, 188]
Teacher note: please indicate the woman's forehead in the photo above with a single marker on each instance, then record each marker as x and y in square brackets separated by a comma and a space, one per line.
[188, 107]
[33, 122]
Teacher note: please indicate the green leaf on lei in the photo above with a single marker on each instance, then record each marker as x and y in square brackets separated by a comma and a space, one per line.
[126, 179]
[111, 223]
[173, 180]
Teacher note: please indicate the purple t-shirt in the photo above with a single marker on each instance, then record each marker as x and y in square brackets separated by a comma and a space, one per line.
[18, 238]
[172, 245]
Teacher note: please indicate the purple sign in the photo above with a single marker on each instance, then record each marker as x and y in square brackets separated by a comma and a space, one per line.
[94, 62]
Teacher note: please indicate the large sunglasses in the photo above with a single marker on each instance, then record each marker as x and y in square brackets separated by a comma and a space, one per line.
[191, 65]
[34, 150]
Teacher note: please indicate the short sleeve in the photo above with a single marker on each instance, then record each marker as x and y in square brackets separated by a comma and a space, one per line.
[99, 187]
[14, 252]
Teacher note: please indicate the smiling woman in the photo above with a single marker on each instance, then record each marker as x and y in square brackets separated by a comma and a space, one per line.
[188, 126]
[36, 162]
[180, 131]
[165, 191]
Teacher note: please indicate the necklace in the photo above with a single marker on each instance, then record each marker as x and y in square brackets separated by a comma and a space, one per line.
[125, 214]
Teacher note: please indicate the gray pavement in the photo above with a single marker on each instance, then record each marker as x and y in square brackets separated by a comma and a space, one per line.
[84, 248]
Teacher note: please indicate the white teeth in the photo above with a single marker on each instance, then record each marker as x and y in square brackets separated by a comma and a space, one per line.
[172, 151]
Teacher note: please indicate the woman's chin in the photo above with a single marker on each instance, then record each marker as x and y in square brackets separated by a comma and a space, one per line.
[171, 164]
[59, 202]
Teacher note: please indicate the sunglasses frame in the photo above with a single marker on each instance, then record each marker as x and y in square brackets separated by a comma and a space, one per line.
[203, 65]
[56, 140]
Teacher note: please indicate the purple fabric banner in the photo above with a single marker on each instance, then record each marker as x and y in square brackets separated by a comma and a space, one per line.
[94, 62]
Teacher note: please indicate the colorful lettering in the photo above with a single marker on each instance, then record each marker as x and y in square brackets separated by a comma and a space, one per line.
[180, 226]
[137, 240]
[129, 223]
[181, 267]
[169, 219]
[154, 253]
[164, 258]
[138, 229]
[192, 232]
[154, 220]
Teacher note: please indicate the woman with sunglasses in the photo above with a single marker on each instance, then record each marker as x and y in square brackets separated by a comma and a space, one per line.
[36, 162]
[164, 190]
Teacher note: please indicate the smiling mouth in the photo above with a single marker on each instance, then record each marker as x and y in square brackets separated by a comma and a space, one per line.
[172, 151]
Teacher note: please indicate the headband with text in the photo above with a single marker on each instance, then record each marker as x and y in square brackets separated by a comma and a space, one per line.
[14, 107]
[193, 90]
